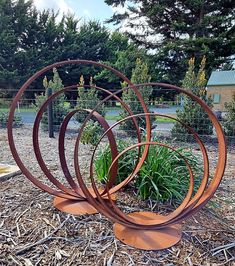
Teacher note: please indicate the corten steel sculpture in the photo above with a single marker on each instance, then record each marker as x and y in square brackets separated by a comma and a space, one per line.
[144, 230]
[69, 199]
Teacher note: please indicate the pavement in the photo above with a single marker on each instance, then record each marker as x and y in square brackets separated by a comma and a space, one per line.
[29, 117]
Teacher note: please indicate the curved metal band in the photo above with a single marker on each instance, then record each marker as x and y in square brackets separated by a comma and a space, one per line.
[15, 154]
[165, 219]
[200, 198]
[62, 135]
[101, 120]
[187, 208]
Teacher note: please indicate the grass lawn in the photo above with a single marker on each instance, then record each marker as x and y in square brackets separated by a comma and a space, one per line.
[161, 119]
[22, 110]
[112, 117]
[158, 119]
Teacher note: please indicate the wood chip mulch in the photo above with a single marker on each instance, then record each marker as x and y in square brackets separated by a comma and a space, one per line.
[33, 232]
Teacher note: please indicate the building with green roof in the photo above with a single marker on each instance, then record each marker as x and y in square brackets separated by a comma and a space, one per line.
[221, 87]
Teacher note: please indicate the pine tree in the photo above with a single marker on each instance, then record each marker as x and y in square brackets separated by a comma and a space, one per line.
[192, 113]
[178, 30]
[139, 75]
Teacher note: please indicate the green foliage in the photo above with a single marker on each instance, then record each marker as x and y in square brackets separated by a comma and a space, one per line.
[164, 175]
[229, 123]
[192, 114]
[104, 160]
[139, 75]
[88, 99]
[60, 109]
[183, 28]
[91, 133]
[31, 39]
[17, 121]
[122, 56]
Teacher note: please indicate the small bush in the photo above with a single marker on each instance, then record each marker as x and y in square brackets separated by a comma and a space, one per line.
[59, 105]
[91, 133]
[17, 122]
[87, 99]
[139, 75]
[164, 175]
[192, 114]
[229, 123]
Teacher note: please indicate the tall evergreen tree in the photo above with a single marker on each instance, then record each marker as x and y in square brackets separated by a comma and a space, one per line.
[13, 18]
[122, 56]
[31, 39]
[182, 29]
[28, 39]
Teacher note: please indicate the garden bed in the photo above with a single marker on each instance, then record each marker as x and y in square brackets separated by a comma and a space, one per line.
[33, 232]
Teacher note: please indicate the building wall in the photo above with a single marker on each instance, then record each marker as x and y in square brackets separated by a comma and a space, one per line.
[225, 92]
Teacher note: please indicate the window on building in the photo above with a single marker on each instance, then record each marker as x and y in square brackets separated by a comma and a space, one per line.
[216, 98]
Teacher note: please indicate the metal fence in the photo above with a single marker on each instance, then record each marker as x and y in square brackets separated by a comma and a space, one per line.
[163, 127]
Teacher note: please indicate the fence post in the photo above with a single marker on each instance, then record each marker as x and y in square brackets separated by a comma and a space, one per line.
[50, 115]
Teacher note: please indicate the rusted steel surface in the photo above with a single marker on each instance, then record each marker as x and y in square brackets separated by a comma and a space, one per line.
[144, 230]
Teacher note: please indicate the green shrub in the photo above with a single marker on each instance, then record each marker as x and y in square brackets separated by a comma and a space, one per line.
[125, 164]
[17, 121]
[91, 133]
[229, 123]
[164, 175]
[139, 75]
[87, 99]
[59, 105]
[192, 114]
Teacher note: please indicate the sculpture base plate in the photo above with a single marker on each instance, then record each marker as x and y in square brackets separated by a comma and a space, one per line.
[148, 239]
[75, 207]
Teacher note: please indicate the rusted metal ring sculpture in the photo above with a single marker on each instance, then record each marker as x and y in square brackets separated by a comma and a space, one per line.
[66, 199]
[144, 230]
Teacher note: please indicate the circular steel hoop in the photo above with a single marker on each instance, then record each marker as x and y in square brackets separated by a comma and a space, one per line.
[14, 152]
[62, 136]
[165, 220]
[202, 196]
[190, 204]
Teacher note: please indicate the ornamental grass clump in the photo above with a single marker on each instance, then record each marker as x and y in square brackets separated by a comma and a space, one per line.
[164, 175]
[125, 163]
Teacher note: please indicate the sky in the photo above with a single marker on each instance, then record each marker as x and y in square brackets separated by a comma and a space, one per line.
[85, 9]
